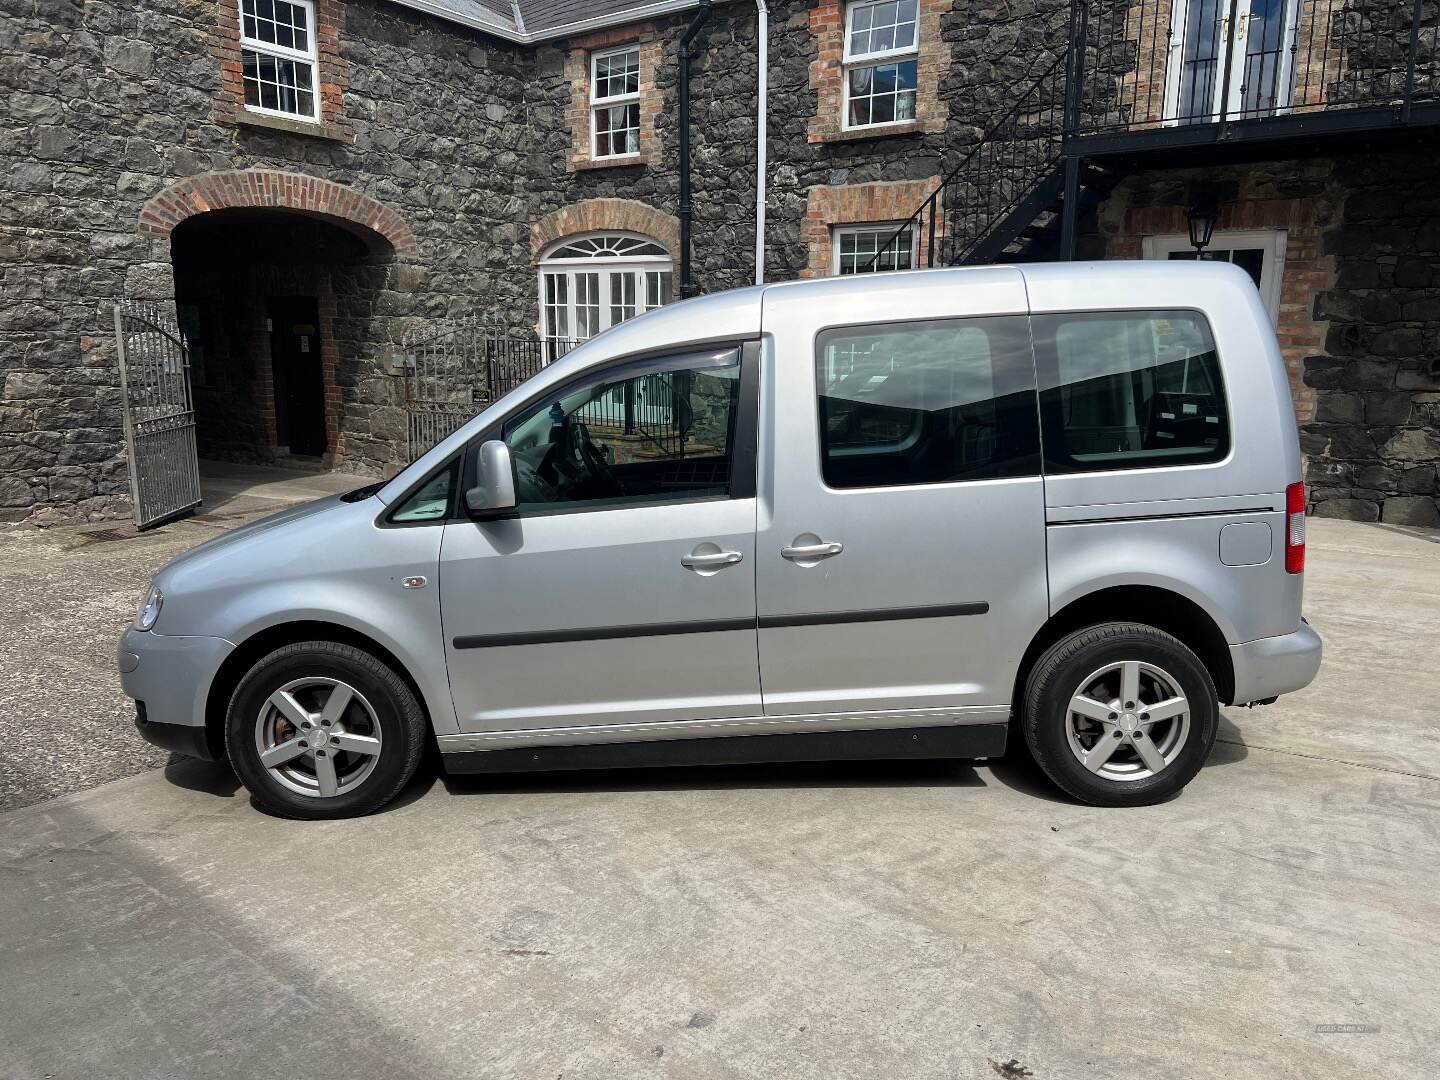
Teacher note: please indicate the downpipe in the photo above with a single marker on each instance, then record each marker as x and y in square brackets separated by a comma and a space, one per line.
[686, 214]
[762, 108]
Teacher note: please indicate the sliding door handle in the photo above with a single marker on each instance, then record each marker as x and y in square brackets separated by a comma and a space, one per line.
[710, 560]
[808, 552]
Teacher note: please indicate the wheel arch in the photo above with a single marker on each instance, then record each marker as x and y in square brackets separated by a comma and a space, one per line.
[263, 642]
[1163, 609]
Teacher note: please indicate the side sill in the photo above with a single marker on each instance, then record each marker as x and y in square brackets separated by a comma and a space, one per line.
[896, 744]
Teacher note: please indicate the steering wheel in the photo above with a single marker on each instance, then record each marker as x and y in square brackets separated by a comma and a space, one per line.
[589, 457]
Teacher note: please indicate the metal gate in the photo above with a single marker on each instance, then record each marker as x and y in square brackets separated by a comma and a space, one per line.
[158, 412]
[453, 371]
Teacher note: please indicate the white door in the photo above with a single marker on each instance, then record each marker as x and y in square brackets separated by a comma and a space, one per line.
[1258, 57]
[1260, 253]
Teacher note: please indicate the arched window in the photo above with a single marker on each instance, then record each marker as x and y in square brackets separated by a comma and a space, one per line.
[591, 283]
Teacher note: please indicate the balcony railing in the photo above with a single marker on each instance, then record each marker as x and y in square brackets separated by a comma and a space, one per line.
[1153, 65]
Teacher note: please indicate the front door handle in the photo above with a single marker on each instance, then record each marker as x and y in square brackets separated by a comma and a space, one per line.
[806, 552]
[709, 560]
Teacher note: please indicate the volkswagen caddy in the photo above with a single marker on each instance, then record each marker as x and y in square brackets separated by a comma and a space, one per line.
[893, 516]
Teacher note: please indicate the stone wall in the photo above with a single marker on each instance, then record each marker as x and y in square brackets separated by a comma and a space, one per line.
[1359, 321]
[108, 105]
[1374, 446]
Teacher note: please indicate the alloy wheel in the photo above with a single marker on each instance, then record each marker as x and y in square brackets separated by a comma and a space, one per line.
[1128, 721]
[318, 736]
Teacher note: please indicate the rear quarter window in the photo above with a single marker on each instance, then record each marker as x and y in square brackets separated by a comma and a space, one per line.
[1129, 390]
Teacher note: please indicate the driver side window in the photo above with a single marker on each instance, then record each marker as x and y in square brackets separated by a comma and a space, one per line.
[649, 432]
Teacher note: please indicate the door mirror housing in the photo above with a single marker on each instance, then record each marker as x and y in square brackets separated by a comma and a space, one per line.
[494, 495]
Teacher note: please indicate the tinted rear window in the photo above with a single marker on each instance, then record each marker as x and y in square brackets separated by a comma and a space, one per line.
[1129, 390]
[927, 402]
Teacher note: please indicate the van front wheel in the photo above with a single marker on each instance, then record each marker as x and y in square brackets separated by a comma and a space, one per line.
[318, 729]
[1120, 714]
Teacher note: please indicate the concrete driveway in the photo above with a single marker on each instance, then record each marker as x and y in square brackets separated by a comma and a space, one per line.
[920, 920]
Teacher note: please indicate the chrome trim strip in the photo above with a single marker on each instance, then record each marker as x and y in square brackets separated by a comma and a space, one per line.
[739, 725]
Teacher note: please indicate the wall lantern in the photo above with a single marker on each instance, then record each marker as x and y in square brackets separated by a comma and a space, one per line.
[1201, 219]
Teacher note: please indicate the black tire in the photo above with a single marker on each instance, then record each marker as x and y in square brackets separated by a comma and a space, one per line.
[1058, 675]
[401, 720]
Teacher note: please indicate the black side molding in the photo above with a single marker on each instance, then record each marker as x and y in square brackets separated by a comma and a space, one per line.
[601, 633]
[766, 622]
[833, 618]
[896, 744]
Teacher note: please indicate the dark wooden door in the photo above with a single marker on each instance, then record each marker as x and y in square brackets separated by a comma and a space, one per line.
[299, 382]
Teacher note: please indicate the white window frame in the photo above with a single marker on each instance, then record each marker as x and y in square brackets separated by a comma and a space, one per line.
[598, 103]
[571, 268]
[886, 227]
[309, 56]
[851, 60]
[1271, 242]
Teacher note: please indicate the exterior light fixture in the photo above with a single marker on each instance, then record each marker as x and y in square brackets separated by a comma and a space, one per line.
[1201, 219]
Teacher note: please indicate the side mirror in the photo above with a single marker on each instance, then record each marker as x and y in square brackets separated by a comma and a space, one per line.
[494, 495]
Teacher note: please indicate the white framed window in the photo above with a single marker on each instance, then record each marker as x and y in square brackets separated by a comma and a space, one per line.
[855, 247]
[1260, 253]
[591, 283]
[279, 58]
[882, 41]
[615, 103]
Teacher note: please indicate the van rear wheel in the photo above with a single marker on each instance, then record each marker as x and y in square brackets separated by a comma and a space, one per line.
[323, 730]
[1120, 714]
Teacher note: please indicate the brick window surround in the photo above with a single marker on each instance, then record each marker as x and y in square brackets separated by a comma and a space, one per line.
[1307, 272]
[859, 204]
[331, 77]
[577, 112]
[827, 75]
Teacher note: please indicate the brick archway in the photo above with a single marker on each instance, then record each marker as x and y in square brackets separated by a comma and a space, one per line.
[274, 189]
[606, 215]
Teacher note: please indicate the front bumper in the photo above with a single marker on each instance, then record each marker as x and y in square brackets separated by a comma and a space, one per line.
[169, 678]
[1268, 667]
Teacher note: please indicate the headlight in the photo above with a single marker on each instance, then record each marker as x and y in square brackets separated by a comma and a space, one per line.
[149, 609]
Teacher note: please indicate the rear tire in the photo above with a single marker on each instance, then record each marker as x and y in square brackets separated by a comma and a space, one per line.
[1089, 724]
[318, 730]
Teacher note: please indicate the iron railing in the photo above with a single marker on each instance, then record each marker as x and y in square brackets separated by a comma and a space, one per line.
[1148, 67]
[456, 368]
[1001, 170]
[651, 410]
[1160, 73]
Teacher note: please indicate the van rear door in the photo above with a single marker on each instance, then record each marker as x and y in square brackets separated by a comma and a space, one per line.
[900, 555]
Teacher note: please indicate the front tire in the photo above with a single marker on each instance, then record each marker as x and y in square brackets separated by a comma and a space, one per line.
[1120, 714]
[318, 729]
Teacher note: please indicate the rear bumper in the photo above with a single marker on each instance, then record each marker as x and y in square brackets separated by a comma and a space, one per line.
[1268, 667]
[169, 678]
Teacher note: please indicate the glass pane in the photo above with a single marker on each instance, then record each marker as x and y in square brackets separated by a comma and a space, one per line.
[927, 402]
[431, 502]
[1129, 390]
[659, 434]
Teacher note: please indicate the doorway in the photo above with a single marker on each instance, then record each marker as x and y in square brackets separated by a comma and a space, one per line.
[1260, 253]
[299, 378]
[1257, 58]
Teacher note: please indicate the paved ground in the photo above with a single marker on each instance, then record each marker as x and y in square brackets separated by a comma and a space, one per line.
[65, 595]
[925, 920]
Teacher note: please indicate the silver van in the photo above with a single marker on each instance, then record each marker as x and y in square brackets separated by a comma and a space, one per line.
[892, 516]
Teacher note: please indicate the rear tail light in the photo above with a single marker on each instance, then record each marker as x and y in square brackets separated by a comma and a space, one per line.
[1295, 529]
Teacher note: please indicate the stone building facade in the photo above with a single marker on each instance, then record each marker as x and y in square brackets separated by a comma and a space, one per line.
[446, 157]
